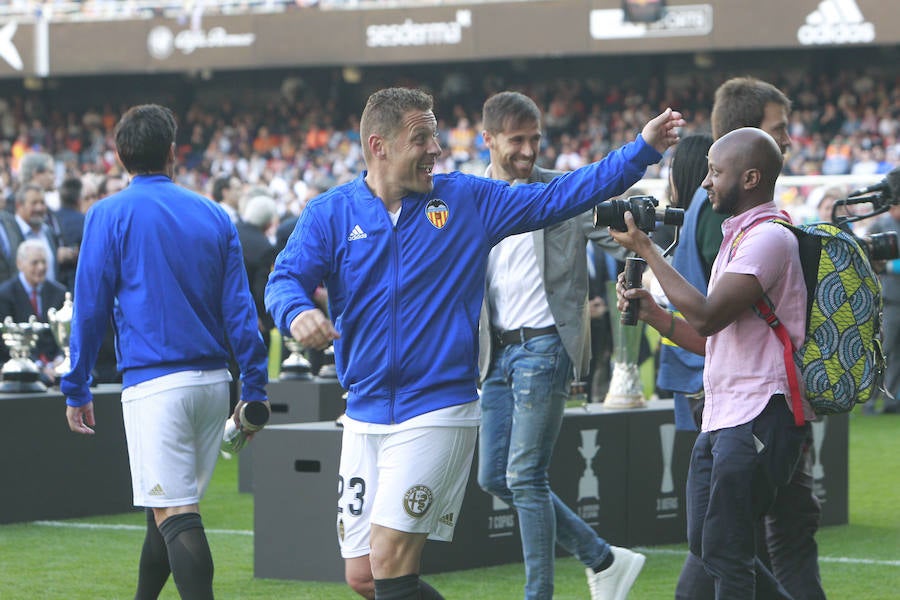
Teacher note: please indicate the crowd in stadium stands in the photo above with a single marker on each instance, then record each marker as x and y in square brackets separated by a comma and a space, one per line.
[61, 10]
[81, 10]
[301, 143]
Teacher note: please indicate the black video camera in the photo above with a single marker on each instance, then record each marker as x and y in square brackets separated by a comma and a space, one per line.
[877, 246]
[644, 210]
[880, 246]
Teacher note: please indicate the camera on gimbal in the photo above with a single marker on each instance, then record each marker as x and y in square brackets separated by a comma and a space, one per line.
[644, 210]
[880, 196]
[880, 246]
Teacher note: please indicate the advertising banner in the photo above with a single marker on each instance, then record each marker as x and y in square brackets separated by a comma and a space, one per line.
[448, 33]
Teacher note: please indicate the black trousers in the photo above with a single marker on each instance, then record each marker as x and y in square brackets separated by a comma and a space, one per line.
[734, 478]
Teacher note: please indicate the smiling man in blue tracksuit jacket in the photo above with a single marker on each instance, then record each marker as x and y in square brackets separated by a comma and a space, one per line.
[403, 255]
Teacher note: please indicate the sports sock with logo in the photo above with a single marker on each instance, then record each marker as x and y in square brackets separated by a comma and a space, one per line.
[189, 555]
[153, 569]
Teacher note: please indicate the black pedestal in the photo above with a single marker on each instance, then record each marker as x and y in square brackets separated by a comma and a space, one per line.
[295, 502]
[49, 472]
[293, 401]
[622, 471]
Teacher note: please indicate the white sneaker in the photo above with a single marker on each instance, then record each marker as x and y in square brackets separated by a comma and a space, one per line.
[615, 582]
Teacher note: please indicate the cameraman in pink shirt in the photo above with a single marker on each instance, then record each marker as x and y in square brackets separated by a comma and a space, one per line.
[748, 444]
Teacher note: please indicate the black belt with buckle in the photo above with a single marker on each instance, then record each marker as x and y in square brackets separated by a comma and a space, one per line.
[520, 335]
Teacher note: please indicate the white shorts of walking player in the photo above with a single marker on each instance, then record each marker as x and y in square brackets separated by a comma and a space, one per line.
[173, 425]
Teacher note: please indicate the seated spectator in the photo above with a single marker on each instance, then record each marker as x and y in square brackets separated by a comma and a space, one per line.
[30, 293]
[31, 221]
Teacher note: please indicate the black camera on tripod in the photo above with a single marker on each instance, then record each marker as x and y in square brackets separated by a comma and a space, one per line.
[644, 209]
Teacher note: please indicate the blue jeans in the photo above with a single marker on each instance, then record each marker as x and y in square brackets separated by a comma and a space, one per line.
[522, 403]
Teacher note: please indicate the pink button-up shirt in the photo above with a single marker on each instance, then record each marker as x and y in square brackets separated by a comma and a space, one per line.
[745, 361]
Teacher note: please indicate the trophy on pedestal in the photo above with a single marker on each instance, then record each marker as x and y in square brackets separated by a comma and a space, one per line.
[327, 370]
[20, 374]
[296, 365]
[61, 328]
[625, 387]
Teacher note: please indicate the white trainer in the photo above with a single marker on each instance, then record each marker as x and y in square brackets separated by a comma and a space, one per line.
[615, 582]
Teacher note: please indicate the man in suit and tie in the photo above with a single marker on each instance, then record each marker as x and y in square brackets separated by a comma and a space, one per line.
[31, 223]
[8, 236]
[28, 293]
[259, 219]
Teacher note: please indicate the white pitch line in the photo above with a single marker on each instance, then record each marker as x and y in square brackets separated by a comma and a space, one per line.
[824, 559]
[113, 526]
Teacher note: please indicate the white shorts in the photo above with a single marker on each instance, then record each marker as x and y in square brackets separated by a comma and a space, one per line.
[412, 480]
[174, 426]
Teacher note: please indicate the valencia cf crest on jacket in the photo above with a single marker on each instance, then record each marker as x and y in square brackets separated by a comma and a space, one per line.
[437, 212]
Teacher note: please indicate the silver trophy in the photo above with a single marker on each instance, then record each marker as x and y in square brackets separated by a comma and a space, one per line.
[327, 370]
[296, 365]
[20, 374]
[625, 386]
[61, 328]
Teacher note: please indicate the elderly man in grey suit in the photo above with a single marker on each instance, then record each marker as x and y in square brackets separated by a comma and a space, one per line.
[535, 335]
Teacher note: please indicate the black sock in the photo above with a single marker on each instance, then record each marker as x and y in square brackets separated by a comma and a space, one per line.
[189, 555]
[426, 592]
[607, 562]
[153, 569]
[407, 587]
[397, 588]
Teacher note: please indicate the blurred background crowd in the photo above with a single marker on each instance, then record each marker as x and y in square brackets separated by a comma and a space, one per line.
[264, 141]
[296, 134]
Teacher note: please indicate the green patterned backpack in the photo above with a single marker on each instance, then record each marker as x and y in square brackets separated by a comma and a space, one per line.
[840, 361]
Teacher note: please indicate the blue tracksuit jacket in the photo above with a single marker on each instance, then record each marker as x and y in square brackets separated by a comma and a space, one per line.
[167, 264]
[406, 299]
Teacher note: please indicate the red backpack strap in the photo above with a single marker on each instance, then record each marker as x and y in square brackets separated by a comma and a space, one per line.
[764, 309]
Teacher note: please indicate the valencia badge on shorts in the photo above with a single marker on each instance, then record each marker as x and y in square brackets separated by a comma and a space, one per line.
[437, 212]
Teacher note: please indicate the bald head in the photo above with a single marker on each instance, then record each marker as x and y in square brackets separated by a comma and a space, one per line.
[753, 148]
[743, 167]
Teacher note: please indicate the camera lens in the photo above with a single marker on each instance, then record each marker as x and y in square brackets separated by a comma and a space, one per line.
[881, 246]
[673, 216]
[611, 214]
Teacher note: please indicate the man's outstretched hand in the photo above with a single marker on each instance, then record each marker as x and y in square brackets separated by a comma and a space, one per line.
[662, 131]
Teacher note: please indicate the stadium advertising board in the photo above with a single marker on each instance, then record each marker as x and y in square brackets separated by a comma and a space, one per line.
[448, 33]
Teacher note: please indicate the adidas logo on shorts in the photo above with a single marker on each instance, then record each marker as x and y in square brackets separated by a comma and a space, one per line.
[447, 519]
[157, 490]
